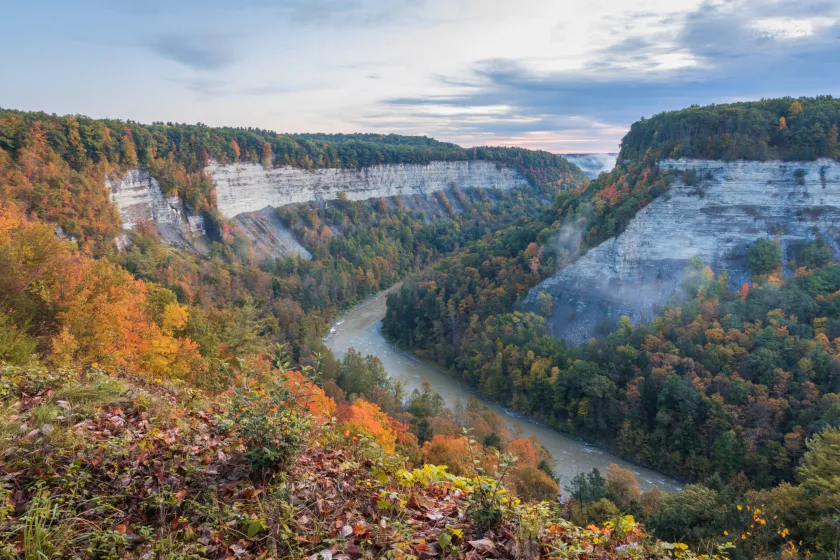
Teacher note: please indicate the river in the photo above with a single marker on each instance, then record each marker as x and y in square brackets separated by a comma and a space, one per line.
[360, 329]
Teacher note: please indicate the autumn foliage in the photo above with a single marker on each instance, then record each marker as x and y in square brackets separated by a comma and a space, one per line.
[85, 310]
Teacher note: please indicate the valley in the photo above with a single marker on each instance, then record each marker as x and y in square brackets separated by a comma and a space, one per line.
[360, 328]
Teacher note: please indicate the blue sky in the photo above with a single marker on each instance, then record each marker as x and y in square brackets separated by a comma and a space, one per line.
[562, 75]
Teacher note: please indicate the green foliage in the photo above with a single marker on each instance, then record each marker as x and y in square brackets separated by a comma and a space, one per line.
[816, 254]
[485, 506]
[267, 422]
[695, 509]
[764, 257]
[587, 487]
[16, 346]
[733, 131]
[819, 469]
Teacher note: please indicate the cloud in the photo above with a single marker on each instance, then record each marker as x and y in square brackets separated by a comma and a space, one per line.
[197, 52]
[720, 51]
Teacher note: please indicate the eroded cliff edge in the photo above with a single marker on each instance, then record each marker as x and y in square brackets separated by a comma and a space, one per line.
[728, 207]
[246, 193]
[247, 187]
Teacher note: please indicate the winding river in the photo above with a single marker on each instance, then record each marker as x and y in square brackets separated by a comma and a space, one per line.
[360, 329]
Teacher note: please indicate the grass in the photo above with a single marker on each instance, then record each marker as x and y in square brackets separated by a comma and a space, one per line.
[87, 396]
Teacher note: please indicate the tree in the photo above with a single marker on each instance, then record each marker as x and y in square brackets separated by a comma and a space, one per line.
[621, 486]
[816, 254]
[694, 512]
[587, 487]
[545, 303]
[764, 257]
[819, 472]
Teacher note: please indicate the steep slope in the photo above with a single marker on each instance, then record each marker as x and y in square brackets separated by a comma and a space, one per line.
[248, 187]
[224, 172]
[726, 208]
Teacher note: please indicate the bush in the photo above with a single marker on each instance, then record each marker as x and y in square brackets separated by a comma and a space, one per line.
[816, 254]
[269, 424]
[764, 257]
[16, 347]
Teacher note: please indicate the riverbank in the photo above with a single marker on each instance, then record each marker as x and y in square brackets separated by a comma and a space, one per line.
[359, 329]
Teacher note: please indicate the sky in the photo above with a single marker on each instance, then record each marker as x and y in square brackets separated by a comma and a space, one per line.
[560, 75]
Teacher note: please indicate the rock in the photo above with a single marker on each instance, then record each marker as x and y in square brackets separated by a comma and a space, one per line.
[140, 198]
[732, 205]
[47, 429]
[247, 187]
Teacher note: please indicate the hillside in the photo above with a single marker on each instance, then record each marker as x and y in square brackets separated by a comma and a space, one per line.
[114, 466]
[148, 403]
[191, 162]
[726, 365]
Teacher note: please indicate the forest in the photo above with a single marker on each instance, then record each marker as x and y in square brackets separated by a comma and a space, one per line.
[78, 152]
[801, 129]
[725, 389]
[162, 403]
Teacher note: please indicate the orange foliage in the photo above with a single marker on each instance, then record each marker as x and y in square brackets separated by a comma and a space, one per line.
[524, 450]
[88, 310]
[368, 419]
[451, 451]
[309, 396]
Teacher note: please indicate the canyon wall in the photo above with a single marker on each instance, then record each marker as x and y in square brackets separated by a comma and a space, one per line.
[247, 187]
[140, 198]
[247, 193]
[717, 218]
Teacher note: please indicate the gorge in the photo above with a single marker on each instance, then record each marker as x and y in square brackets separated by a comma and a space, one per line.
[714, 210]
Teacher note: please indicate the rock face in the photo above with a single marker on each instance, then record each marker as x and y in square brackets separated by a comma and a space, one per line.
[247, 194]
[593, 164]
[245, 187]
[269, 234]
[140, 198]
[728, 207]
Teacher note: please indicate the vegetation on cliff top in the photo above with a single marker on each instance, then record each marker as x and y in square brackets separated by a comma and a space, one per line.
[81, 151]
[788, 129]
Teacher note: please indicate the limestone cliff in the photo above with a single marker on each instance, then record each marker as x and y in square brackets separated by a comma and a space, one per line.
[140, 198]
[247, 193]
[728, 207]
[246, 187]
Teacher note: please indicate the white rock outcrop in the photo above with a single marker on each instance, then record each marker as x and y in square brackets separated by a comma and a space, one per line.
[732, 205]
[140, 198]
[247, 187]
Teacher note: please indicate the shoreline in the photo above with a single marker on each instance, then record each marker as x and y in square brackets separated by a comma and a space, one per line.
[673, 482]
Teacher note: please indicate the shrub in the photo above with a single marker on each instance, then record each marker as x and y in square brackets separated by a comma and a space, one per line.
[265, 418]
[16, 347]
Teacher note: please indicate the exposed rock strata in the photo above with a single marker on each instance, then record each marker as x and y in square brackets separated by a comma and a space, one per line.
[140, 198]
[731, 206]
[245, 187]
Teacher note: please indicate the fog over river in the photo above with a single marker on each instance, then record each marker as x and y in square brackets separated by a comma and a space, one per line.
[360, 329]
